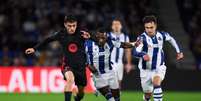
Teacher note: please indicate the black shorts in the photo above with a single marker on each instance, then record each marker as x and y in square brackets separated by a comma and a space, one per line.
[80, 75]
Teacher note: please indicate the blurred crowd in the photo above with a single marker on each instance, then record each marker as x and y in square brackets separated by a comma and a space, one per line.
[190, 11]
[23, 23]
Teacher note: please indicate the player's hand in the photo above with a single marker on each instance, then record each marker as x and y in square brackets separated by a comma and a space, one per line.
[180, 56]
[138, 42]
[85, 34]
[146, 57]
[128, 68]
[132, 43]
[29, 51]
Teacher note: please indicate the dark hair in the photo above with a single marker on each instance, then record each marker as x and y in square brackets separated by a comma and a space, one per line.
[150, 18]
[117, 19]
[70, 18]
[101, 30]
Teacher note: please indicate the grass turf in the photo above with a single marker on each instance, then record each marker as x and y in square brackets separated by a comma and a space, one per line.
[125, 96]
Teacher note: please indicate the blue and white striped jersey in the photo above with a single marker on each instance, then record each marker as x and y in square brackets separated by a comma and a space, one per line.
[117, 53]
[153, 46]
[100, 57]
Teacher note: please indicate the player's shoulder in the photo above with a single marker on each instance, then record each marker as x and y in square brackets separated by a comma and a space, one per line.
[162, 32]
[142, 36]
[110, 34]
[59, 32]
[124, 35]
[89, 42]
[113, 34]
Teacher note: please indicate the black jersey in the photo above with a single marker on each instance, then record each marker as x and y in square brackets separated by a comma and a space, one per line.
[72, 47]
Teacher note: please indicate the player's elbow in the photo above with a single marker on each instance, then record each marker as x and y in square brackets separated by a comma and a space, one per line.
[138, 54]
[135, 53]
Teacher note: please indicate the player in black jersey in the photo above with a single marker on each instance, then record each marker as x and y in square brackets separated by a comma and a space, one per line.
[74, 58]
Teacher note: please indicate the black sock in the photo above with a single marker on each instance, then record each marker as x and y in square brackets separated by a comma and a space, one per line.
[108, 96]
[117, 99]
[76, 98]
[79, 97]
[68, 96]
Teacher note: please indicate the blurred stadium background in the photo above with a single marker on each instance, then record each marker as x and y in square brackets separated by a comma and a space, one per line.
[23, 23]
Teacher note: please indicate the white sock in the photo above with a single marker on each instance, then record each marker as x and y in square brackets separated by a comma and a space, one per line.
[111, 99]
[157, 93]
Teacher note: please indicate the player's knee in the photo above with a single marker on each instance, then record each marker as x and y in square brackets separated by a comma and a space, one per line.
[69, 77]
[70, 81]
[66, 87]
[156, 81]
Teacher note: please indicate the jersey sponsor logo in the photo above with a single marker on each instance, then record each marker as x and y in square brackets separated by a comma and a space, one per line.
[102, 53]
[72, 48]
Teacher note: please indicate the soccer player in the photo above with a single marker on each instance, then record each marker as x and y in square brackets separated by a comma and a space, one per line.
[74, 58]
[99, 54]
[118, 53]
[151, 64]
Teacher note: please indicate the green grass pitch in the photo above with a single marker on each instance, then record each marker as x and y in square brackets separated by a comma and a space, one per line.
[125, 96]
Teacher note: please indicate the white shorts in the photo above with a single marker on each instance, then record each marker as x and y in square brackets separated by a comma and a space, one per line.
[148, 75]
[107, 79]
[119, 68]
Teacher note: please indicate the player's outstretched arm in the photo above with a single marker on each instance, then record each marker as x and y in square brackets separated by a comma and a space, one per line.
[51, 38]
[130, 44]
[47, 40]
[126, 45]
[180, 55]
[173, 42]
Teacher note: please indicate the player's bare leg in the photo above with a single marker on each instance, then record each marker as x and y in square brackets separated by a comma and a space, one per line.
[69, 84]
[147, 96]
[116, 94]
[157, 93]
[105, 91]
[75, 90]
[79, 96]
[120, 84]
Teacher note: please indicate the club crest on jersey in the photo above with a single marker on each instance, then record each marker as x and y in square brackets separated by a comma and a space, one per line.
[72, 48]
[159, 38]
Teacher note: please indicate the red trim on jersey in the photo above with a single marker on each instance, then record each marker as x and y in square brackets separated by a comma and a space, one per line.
[63, 63]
